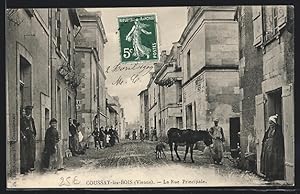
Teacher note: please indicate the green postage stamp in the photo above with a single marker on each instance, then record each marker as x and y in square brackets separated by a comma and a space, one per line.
[138, 38]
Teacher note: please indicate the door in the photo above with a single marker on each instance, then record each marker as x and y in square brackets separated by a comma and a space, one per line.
[259, 127]
[288, 132]
[234, 129]
[189, 116]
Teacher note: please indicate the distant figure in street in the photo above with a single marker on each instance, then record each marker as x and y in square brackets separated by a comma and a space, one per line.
[112, 139]
[96, 135]
[218, 138]
[23, 144]
[134, 134]
[102, 138]
[106, 137]
[147, 134]
[51, 149]
[116, 135]
[127, 136]
[154, 135]
[141, 134]
[272, 155]
[72, 134]
[76, 136]
[30, 133]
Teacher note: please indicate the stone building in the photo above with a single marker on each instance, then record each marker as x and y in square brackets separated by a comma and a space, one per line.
[269, 32]
[209, 57]
[169, 79]
[144, 113]
[115, 114]
[39, 71]
[155, 119]
[91, 94]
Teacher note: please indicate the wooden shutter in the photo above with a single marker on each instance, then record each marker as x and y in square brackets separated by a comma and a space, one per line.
[288, 128]
[259, 126]
[282, 16]
[257, 25]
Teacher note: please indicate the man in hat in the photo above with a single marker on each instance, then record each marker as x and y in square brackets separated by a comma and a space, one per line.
[218, 138]
[29, 126]
[50, 160]
[272, 155]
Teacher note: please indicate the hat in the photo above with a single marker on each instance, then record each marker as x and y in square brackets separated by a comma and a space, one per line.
[216, 119]
[29, 107]
[53, 120]
[273, 118]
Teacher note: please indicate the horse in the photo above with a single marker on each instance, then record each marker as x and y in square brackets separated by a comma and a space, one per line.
[187, 137]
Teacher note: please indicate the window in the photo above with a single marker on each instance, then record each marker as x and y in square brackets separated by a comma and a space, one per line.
[179, 91]
[188, 64]
[58, 28]
[267, 22]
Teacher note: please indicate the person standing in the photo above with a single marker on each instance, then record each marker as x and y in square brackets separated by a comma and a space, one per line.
[96, 135]
[23, 144]
[72, 131]
[134, 135]
[155, 134]
[141, 134]
[30, 134]
[218, 138]
[272, 157]
[51, 146]
[76, 136]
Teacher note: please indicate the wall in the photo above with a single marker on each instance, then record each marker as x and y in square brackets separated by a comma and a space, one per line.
[30, 38]
[251, 75]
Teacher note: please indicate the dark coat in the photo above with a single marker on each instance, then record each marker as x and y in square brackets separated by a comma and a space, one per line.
[72, 129]
[23, 147]
[28, 127]
[272, 156]
[51, 139]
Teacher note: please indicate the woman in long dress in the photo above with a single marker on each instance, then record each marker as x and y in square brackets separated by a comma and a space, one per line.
[134, 35]
[51, 150]
[272, 157]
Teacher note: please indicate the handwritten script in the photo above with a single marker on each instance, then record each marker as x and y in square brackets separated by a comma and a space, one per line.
[134, 71]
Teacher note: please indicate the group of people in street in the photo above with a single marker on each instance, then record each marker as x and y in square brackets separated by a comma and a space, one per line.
[272, 153]
[52, 157]
[143, 135]
[105, 138]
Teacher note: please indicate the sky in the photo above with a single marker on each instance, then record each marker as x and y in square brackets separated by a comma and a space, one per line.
[171, 23]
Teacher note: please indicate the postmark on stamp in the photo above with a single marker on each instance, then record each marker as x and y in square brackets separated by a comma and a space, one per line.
[138, 38]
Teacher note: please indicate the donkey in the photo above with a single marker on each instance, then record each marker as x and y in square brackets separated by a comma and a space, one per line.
[188, 138]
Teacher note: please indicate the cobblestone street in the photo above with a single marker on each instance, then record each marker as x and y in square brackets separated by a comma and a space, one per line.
[133, 164]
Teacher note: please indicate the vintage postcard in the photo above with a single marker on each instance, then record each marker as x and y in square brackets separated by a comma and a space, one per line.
[147, 97]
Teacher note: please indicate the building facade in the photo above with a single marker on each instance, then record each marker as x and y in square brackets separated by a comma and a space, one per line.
[144, 113]
[210, 71]
[169, 81]
[91, 94]
[273, 42]
[39, 68]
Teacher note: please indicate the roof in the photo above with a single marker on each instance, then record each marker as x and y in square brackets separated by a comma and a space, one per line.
[142, 91]
[74, 17]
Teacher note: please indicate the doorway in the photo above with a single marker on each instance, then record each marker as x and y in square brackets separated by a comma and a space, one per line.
[189, 116]
[234, 130]
[274, 106]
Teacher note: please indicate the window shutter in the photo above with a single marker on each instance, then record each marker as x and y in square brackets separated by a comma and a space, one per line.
[282, 16]
[257, 25]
